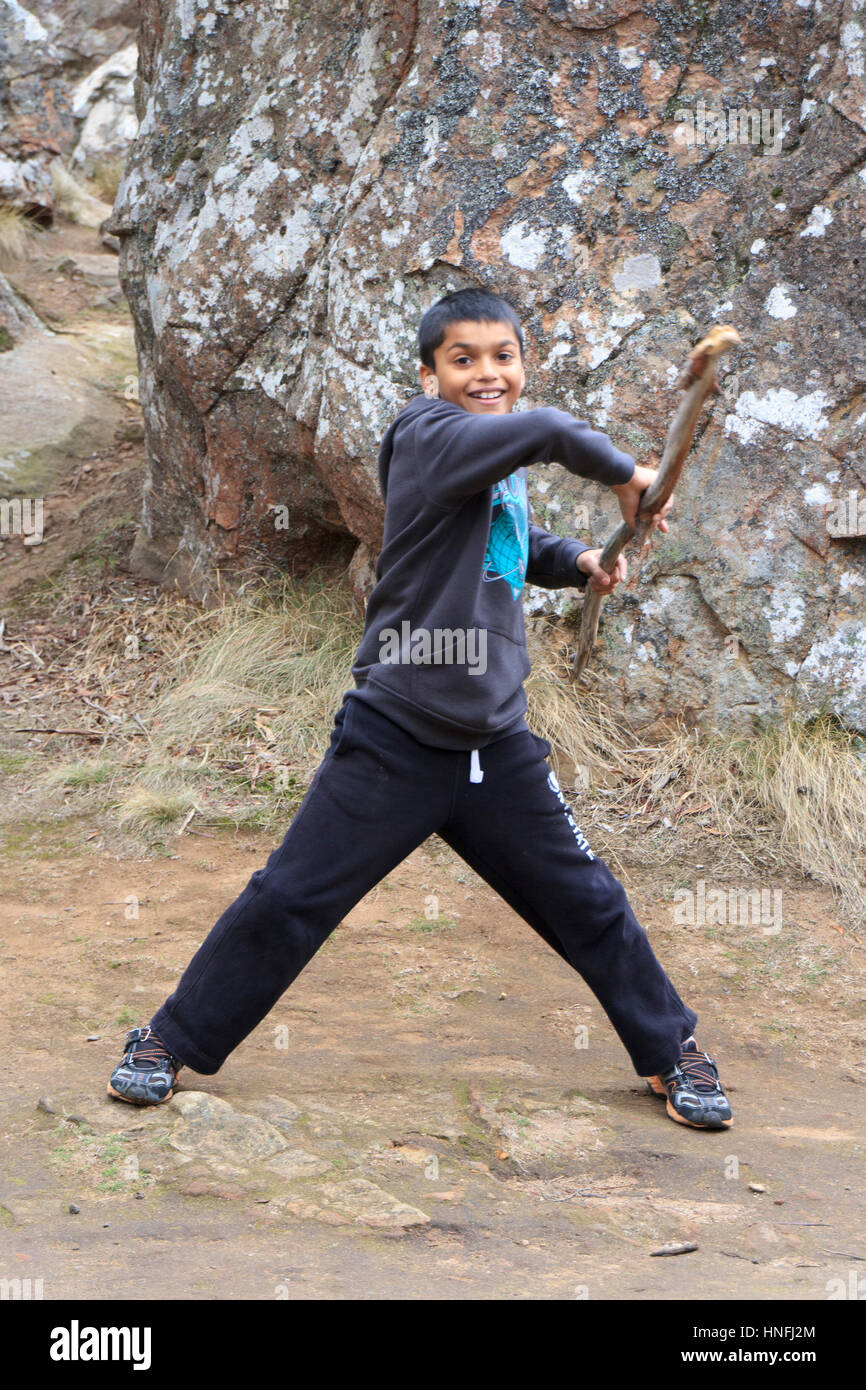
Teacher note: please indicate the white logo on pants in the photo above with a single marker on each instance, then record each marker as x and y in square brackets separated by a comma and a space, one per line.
[575, 828]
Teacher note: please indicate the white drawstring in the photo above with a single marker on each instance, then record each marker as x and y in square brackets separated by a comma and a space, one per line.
[475, 772]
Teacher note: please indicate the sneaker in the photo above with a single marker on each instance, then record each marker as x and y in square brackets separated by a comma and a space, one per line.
[693, 1090]
[148, 1072]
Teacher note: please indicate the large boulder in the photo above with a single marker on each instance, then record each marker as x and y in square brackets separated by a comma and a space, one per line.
[301, 189]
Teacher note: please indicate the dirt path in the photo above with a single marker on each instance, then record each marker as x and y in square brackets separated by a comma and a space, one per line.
[438, 1067]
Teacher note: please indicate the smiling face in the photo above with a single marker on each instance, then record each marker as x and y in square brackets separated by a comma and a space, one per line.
[478, 367]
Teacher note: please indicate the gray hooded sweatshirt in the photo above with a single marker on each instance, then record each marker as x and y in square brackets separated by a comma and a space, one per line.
[443, 652]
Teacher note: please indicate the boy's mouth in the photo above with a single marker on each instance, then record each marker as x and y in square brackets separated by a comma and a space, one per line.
[486, 395]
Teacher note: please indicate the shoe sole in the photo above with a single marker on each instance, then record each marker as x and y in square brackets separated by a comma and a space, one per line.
[657, 1089]
[681, 1120]
[131, 1100]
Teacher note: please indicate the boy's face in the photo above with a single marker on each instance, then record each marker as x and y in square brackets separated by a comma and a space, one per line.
[478, 367]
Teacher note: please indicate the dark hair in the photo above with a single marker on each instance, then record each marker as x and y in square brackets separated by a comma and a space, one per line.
[478, 306]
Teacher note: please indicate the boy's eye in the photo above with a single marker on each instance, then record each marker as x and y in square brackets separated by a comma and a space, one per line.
[458, 361]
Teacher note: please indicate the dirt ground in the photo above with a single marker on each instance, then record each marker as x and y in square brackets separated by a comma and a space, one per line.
[437, 1108]
[439, 1065]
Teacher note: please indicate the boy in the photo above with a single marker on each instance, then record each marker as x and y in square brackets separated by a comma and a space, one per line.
[433, 737]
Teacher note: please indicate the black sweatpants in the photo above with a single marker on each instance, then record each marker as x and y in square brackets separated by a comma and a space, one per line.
[375, 797]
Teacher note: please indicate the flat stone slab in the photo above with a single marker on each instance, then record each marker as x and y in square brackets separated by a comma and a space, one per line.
[353, 1201]
[298, 1163]
[211, 1127]
[276, 1110]
[96, 268]
[370, 1204]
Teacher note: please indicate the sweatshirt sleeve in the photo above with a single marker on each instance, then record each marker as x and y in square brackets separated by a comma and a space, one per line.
[459, 453]
[552, 562]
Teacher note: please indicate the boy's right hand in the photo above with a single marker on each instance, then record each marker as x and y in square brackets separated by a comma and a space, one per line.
[629, 495]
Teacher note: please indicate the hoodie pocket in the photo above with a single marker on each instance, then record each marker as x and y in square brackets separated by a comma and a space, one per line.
[474, 683]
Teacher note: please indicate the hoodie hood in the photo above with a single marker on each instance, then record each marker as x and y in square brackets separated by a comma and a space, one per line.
[406, 416]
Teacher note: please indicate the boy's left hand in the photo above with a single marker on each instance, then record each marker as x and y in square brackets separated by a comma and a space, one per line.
[603, 583]
[629, 495]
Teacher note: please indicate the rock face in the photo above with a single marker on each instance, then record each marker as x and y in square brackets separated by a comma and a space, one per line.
[66, 90]
[300, 191]
[16, 317]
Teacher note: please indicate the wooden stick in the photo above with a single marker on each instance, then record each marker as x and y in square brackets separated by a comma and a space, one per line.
[68, 733]
[698, 379]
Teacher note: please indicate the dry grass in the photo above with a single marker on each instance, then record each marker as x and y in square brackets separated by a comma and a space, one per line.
[105, 178]
[224, 714]
[17, 236]
[582, 732]
[255, 689]
[790, 796]
[808, 779]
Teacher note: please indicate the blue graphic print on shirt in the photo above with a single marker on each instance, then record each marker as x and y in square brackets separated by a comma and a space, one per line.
[507, 550]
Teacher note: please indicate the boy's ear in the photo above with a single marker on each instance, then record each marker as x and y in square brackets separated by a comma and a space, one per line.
[430, 383]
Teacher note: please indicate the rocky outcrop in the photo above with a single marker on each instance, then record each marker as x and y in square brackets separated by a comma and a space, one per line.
[67, 71]
[104, 103]
[300, 191]
[16, 316]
